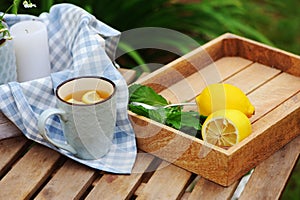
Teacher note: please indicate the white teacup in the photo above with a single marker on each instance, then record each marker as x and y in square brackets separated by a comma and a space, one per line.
[88, 128]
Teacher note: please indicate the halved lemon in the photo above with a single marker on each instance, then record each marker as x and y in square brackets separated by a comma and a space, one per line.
[226, 128]
[91, 97]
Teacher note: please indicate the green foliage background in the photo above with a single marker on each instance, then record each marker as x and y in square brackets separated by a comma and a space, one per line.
[273, 22]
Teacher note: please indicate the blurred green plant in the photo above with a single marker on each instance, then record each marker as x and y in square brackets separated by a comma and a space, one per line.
[263, 21]
[202, 21]
[292, 190]
[278, 20]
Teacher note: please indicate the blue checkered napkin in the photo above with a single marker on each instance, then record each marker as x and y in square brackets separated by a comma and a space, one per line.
[75, 50]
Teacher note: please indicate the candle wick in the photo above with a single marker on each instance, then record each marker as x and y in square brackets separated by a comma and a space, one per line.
[26, 31]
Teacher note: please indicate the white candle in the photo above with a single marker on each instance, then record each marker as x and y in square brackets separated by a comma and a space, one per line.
[30, 40]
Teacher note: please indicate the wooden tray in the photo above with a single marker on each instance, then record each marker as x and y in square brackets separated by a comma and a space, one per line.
[271, 79]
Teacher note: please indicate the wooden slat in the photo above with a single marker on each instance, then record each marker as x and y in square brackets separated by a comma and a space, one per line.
[252, 77]
[206, 189]
[181, 67]
[10, 149]
[70, 182]
[273, 93]
[3, 118]
[168, 182]
[7, 128]
[189, 87]
[234, 70]
[128, 74]
[220, 70]
[270, 177]
[234, 45]
[28, 174]
[113, 186]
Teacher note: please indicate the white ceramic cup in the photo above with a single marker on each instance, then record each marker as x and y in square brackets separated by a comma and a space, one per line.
[89, 128]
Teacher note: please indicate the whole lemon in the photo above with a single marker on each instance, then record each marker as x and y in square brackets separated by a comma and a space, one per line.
[221, 96]
[226, 127]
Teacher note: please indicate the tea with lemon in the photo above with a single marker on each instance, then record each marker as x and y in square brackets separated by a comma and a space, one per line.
[86, 96]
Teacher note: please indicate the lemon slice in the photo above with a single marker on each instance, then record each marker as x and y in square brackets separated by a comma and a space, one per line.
[226, 128]
[91, 97]
[74, 101]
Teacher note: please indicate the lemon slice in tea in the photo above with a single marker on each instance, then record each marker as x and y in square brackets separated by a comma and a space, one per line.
[91, 97]
[74, 101]
[226, 128]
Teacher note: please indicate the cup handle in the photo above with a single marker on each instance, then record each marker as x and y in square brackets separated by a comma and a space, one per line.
[42, 124]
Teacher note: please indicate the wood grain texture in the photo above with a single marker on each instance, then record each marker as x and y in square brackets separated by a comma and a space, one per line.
[273, 93]
[269, 178]
[113, 186]
[206, 189]
[10, 150]
[69, 182]
[28, 174]
[167, 182]
[253, 77]
[238, 46]
[7, 128]
[189, 87]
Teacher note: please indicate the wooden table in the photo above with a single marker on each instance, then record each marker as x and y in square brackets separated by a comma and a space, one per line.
[32, 171]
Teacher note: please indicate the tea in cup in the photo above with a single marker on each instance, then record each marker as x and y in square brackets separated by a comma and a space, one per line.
[87, 111]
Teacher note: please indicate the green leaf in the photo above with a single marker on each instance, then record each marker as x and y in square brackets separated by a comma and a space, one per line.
[15, 7]
[159, 115]
[185, 119]
[188, 122]
[144, 94]
[140, 110]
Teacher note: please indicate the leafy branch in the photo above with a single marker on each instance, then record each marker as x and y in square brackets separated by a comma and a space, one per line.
[14, 9]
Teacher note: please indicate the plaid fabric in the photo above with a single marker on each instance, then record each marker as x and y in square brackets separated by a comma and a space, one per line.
[75, 50]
